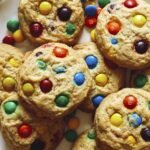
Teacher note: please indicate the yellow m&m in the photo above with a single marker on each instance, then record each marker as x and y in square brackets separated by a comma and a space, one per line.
[9, 84]
[131, 140]
[116, 119]
[28, 89]
[101, 79]
[93, 35]
[45, 8]
[18, 36]
[139, 20]
[13, 62]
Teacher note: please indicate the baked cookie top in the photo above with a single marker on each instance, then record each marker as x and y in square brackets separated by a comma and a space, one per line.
[122, 33]
[140, 79]
[22, 131]
[122, 120]
[10, 60]
[52, 20]
[86, 141]
[107, 77]
[54, 80]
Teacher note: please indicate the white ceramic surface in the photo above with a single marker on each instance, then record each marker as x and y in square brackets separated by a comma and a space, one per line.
[8, 10]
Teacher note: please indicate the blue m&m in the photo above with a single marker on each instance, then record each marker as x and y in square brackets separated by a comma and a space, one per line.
[79, 78]
[91, 61]
[134, 120]
[114, 41]
[90, 10]
[96, 100]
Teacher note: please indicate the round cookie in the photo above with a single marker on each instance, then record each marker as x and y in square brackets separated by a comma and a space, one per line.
[140, 79]
[107, 77]
[10, 60]
[122, 120]
[22, 131]
[51, 21]
[122, 33]
[54, 80]
[86, 141]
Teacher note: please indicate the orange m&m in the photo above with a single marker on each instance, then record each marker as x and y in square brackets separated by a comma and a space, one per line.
[60, 52]
[113, 27]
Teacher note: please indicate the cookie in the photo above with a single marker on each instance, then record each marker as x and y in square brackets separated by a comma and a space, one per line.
[86, 141]
[140, 79]
[122, 33]
[54, 80]
[10, 60]
[122, 120]
[107, 77]
[51, 21]
[22, 131]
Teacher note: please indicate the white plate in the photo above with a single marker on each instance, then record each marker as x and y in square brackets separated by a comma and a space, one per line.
[8, 10]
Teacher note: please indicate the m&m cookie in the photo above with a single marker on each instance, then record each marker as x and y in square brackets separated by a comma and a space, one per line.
[22, 131]
[10, 60]
[86, 141]
[140, 79]
[54, 80]
[107, 77]
[122, 120]
[51, 21]
[122, 33]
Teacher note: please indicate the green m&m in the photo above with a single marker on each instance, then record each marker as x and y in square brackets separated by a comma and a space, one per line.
[71, 135]
[62, 100]
[70, 28]
[41, 64]
[13, 25]
[103, 3]
[140, 80]
[10, 107]
[91, 134]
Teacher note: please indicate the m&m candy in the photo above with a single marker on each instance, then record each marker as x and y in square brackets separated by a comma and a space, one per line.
[91, 134]
[139, 20]
[113, 27]
[93, 35]
[134, 120]
[24, 130]
[140, 80]
[130, 3]
[46, 85]
[45, 8]
[14, 62]
[28, 89]
[145, 134]
[60, 52]
[13, 25]
[90, 10]
[103, 3]
[141, 46]
[9, 83]
[41, 64]
[70, 28]
[116, 119]
[10, 107]
[64, 13]
[96, 100]
[71, 135]
[79, 78]
[91, 61]
[9, 40]
[36, 29]
[101, 79]
[18, 36]
[131, 140]
[62, 100]
[73, 123]
[130, 102]
[37, 145]
[90, 22]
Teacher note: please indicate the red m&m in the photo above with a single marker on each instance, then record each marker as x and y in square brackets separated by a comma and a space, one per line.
[90, 22]
[25, 131]
[60, 52]
[130, 101]
[9, 40]
[46, 85]
[130, 3]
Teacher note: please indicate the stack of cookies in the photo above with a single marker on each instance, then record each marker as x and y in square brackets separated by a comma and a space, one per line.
[39, 88]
